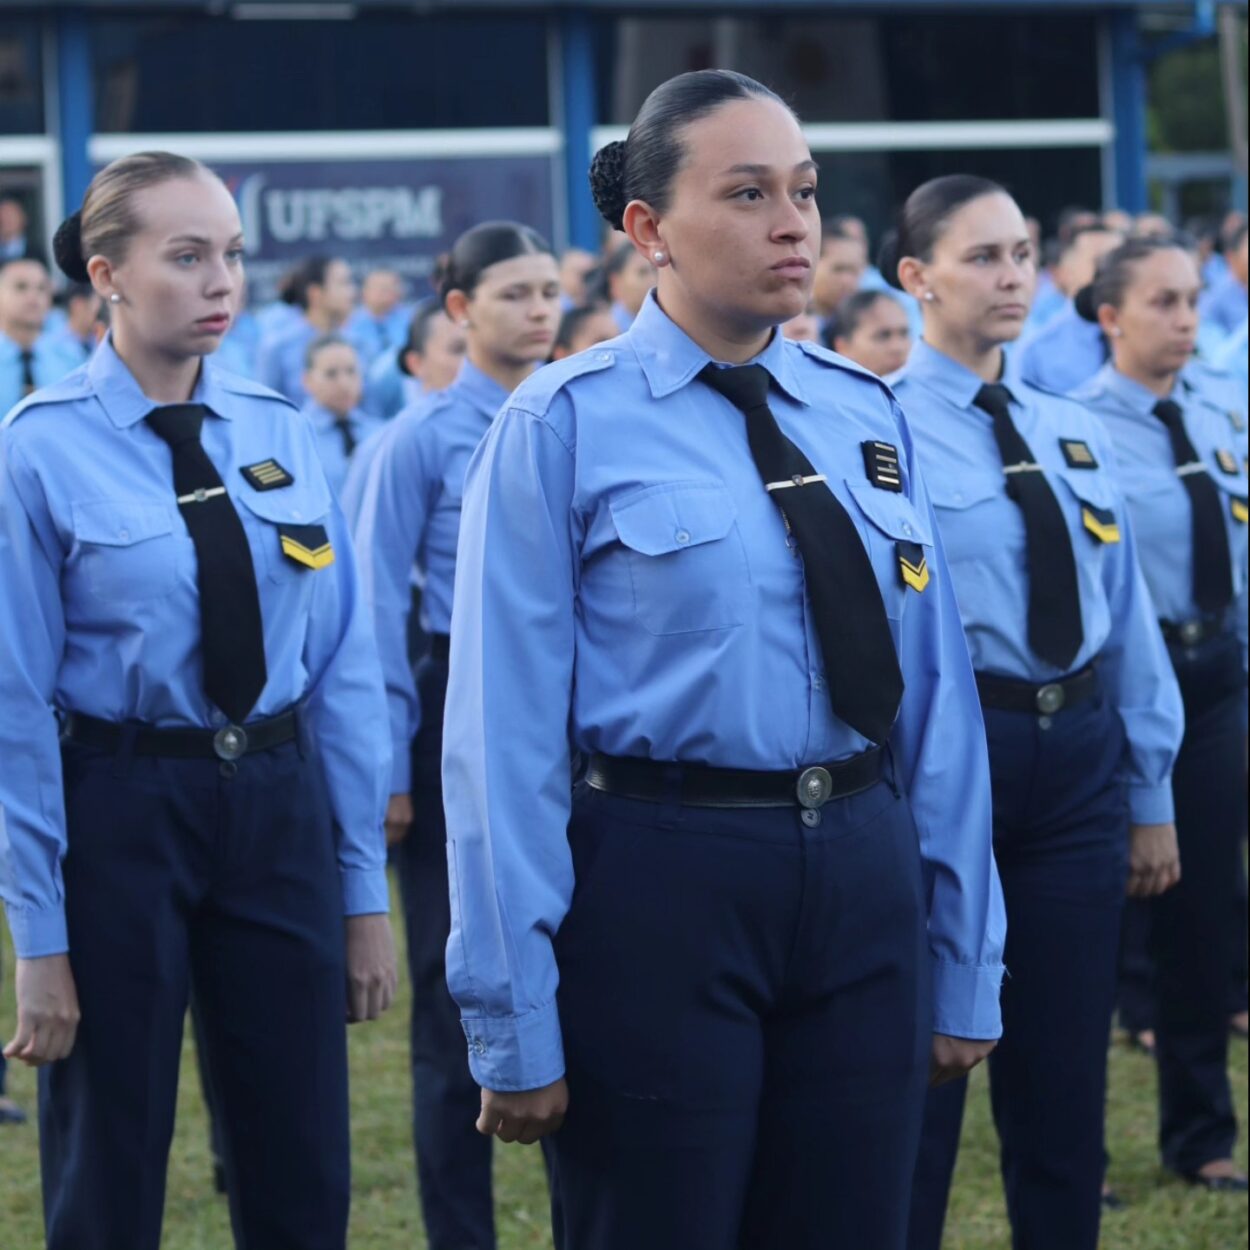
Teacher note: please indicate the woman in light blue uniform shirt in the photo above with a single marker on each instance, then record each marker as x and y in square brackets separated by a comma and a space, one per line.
[1081, 708]
[334, 385]
[194, 745]
[699, 556]
[1182, 467]
[501, 288]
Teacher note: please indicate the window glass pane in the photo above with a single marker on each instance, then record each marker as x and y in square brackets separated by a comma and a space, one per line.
[21, 77]
[194, 73]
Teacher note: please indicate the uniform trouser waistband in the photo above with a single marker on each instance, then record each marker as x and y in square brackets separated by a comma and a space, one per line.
[228, 743]
[699, 785]
[1009, 695]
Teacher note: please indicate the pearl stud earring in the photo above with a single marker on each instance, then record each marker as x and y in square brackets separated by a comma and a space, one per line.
[929, 296]
[659, 257]
[115, 298]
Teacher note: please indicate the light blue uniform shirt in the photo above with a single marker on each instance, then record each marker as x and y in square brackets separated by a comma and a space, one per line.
[334, 458]
[1048, 300]
[1145, 468]
[53, 358]
[624, 585]
[410, 513]
[100, 613]
[281, 359]
[1224, 303]
[1063, 353]
[984, 533]
[1231, 357]
[872, 279]
[371, 336]
[388, 389]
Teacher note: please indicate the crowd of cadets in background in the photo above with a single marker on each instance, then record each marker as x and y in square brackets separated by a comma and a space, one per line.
[354, 352]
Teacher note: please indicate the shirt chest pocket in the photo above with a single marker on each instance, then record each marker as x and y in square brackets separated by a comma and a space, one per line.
[1098, 511]
[687, 562]
[899, 543]
[288, 532]
[126, 552]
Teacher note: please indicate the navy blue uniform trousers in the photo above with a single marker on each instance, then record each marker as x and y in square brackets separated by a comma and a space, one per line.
[1061, 843]
[747, 1019]
[178, 872]
[453, 1158]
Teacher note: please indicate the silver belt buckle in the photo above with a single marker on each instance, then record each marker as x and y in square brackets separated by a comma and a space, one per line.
[1050, 698]
[230, 743]
[814, 787]
[1190, 632]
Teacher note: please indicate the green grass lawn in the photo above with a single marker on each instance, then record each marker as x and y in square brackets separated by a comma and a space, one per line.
[1162, 1214]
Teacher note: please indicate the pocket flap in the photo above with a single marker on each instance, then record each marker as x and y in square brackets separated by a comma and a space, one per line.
[894, 515]
[671, 517]
[298, 507]
[120, 523]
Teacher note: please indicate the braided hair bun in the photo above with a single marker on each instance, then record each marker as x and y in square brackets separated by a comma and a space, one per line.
[607, 183]
[67, 248]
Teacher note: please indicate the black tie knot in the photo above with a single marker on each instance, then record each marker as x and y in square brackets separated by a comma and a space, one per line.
[178, 423]
[995, 399]
[746, 386]
[1169, 412]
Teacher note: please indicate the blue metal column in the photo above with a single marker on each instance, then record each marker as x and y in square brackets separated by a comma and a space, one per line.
[577, 75]
[75, 102]
[1128, 103]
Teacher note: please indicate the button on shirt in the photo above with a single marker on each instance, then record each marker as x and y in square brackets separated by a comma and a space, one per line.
[624, 584]
[52, 358]
[1145, 468]
[330, 445]
[984, 534]
[1063, 353]
[99, 613]
[409, 512]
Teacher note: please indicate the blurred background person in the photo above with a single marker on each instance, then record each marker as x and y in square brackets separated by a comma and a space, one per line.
[582, 328]
[83, 327]
[1224, 303]
[380, 322]
[872, 329]
[627, 278]
[428, 361]
[576, 267]
[29, 358]
[324, 290]
[15, 240]
[334, 385]
[1151, 226]
[805, 328]
[839, 269]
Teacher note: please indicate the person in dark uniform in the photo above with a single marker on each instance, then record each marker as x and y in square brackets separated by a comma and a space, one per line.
[1081, 708]
[194, 740]
[701, 558]
[502, 287]
[1182, 468]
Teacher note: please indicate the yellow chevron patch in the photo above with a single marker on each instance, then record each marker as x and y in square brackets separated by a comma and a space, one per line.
[314, 557]
[1103, 527]
[1240, 510]
[913, 567]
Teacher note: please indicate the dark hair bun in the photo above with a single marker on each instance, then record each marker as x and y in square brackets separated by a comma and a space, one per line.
[67, 248]
[888, 256]
[607, 183]
[1085, 304]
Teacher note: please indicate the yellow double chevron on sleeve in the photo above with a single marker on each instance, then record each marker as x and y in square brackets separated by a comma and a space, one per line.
[1101, 523]
[308, 545]
[913, 567]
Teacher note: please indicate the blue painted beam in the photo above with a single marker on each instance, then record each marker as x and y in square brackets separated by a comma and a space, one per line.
[577, 84]
[1128, 105]
[75, 102]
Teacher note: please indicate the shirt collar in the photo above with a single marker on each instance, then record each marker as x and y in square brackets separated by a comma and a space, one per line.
[123, 399]
[323, 419]
[484, 393]
[953, 381]
[1133, 395]
[671, 359]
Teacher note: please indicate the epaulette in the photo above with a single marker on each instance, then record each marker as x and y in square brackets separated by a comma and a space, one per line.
[535, 394]
[239, 385]
[73, 386]
[832, 360]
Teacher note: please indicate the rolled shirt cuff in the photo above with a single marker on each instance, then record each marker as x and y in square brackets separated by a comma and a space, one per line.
[38, 931]
[966, 1000]
[508, 1054]
[1151, 805]
[365, 891]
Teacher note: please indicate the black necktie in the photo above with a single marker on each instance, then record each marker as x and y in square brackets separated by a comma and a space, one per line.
[1213, 572]
[1055, 630]
[865, 684]
[27, 357]
[344, 427]
[232, 633]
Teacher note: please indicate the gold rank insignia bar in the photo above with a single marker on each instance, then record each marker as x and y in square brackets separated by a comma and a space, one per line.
[1077, 454]
[913, 568]
[1240, 510]
[266, 475]
[881, 465]
[1100, 522]
[1227, 461]
[308, 545]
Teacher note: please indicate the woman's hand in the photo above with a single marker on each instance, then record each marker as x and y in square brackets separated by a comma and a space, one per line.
[1154, 860]
[525, 1116]
[371, 973]
[398, 818]
[47, 1011]
[953, 1057]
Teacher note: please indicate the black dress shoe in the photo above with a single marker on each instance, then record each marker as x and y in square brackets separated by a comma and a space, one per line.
[1216, 1184]
[11, 1113]
[1111, 1201]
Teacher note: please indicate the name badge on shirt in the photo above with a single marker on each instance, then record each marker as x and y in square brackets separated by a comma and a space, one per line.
[881, 465]
[266, 475]
[1077, 454]
[1227, 461]
[1240, 509]
[308, 545]
[1100, 522]
[913, 568]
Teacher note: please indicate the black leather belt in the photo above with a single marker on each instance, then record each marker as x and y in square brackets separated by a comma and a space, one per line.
[697, 785]
[231, 742]
[1191, 633]
[1008, 695]
[440, 647]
